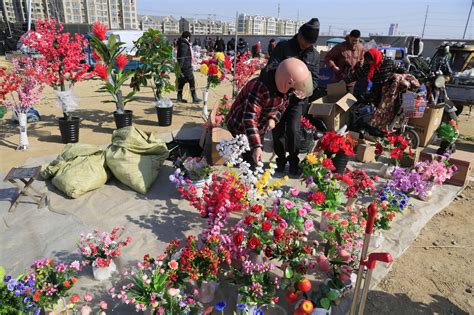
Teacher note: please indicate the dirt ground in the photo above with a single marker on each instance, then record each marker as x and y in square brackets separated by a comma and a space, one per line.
[434, 276]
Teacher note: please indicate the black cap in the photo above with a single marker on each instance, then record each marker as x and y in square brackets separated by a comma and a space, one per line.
[355, 33]
[310, 30]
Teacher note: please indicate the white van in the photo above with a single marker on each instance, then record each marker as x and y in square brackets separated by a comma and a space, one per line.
[128, 37]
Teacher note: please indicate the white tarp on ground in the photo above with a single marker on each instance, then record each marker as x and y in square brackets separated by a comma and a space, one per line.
[152, 220]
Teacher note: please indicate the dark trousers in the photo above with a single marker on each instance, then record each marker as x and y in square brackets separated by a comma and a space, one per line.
[287, 131]
[187, 77]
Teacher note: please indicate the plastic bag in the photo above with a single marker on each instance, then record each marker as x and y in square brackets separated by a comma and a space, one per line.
[67, 101]
[164, 103]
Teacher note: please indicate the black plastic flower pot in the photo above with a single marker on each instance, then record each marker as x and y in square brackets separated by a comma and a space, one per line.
[69, 129]
[123, 120]
[307, 140]
[340, 161]
[446, 147]
[165, 115]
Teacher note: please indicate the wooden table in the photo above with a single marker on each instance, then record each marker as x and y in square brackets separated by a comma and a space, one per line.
[27, 176]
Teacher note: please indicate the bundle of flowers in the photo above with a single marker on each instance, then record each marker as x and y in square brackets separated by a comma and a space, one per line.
[75, 304]
[260, 182]
[226, 194]
[16, 294]
[52, 281]
[410, 182]
[316, 168]
[245, 68]
[232, 150]
[257, 282]
[190, 169]
[223, 108]
[154, 284]
[332, 143]
[357, 181]
[98, 248]
[390, 203]
[448, 131]
[393, 145]
[203, 261]
[438, 170]
[341, 244]
[216, 68]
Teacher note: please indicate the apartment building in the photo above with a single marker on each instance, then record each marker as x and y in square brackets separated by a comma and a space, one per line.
[263, 25]
[116, 14]
[165, 24]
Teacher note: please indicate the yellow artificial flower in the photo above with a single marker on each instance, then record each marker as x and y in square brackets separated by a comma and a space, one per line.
[311, 158]
[204, 69]
[220, 56]
[219, 74]
[286, 178]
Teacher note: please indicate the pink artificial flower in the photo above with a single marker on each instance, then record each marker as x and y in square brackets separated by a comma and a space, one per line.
[173, 264]
[88, 297]
[86, 310]
[289, 204]
[308, 225]
[103, 305]
[294, 192]
[173, 291]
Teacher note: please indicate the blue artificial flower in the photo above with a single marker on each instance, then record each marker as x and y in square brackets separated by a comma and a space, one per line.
[241, 307]
[11, 284]
[403, 202]
[220, 306]
[258, 312]
[7, 278]
[37, 311]
[383, 197]
[394, 202]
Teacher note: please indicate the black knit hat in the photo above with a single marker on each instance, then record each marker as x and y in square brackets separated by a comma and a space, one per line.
[310, 30]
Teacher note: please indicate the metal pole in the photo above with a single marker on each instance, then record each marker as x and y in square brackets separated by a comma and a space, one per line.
[29, 15]
[234, 88]
[424, 24]
[467, 22]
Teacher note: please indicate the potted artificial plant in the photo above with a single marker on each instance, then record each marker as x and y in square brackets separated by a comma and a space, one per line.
[63, 56]
[156, 64]
[111, 62]
[448, 133]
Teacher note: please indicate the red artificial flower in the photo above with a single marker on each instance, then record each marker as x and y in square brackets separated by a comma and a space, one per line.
[212, 70]
[254, 242]
[346, 179]
[238, 238]
[378, 148]
[74, 280]
[278, 232]
[266, 226]
[249, 219]
[67, 284]
[99, 30]
[318, 197]
[268, 214]
[228, 64]
[257, 209]
[305, 123]
[268, 252]
[36, 297]
[327, 163]
[96, 56]
[121, 61]
[101, 70]
[75, 298]
[396, 153]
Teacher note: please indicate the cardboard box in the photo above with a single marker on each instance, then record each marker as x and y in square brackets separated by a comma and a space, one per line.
[365, 151]
[427, 125]
[462, 159]
[408, 161]
[332, 108]
[217, 135]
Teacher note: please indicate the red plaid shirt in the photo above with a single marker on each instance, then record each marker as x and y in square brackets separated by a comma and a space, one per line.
[251, 110]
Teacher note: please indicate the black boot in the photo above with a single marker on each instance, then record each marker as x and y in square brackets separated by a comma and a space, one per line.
[195, 98]
[295, 168]
[179, 98]
[281, 165]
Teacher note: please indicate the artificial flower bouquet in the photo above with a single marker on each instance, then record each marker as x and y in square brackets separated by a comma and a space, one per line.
[216, 68]
[357, 181]
[391, 202]
[409, 181]
[16, 294]
[223, 108]
[438, 170]
[99, 248]
[75, 303]
[111, 61]
[392, 146]
[190, 169]
[307, 132]
[448, 132]
[53, 282]
[316, 168]
[332, 143]
[245, 69]
[157, 284]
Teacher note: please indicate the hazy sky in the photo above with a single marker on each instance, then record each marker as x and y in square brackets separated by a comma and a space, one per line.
[446, 18]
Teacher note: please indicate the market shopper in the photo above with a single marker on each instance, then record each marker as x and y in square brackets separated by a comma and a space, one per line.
[377, 69]
[185, 61]
[271, 46]
[262, 101]
[242, 47]
[219, 46]
[288, 129]
[345, 57]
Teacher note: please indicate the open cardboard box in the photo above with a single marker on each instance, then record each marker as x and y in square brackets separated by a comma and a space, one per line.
[332, 108]
[427, 125]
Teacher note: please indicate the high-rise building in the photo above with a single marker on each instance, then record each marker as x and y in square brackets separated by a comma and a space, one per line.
[393, 29]
[116, 14]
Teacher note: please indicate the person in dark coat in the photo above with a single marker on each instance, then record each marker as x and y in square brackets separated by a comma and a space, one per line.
[271, 46]
[231, 46]
[301, 47]
[185, 61]
[219, 46]
[242, 46]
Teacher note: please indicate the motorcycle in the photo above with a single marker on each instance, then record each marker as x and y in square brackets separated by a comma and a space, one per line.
[438, 96]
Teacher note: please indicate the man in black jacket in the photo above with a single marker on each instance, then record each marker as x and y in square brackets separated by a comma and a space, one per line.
[185, 61]
[301, 47]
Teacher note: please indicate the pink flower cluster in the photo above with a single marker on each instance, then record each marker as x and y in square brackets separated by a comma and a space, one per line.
[437, 171]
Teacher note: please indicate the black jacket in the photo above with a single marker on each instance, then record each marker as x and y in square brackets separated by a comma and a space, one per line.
[290, 48]
[219, 46]
[242, 47]
[184, 56]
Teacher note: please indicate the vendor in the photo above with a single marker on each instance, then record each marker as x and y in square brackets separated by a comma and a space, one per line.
[261, 102]
[377, 69]
[345, 57]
